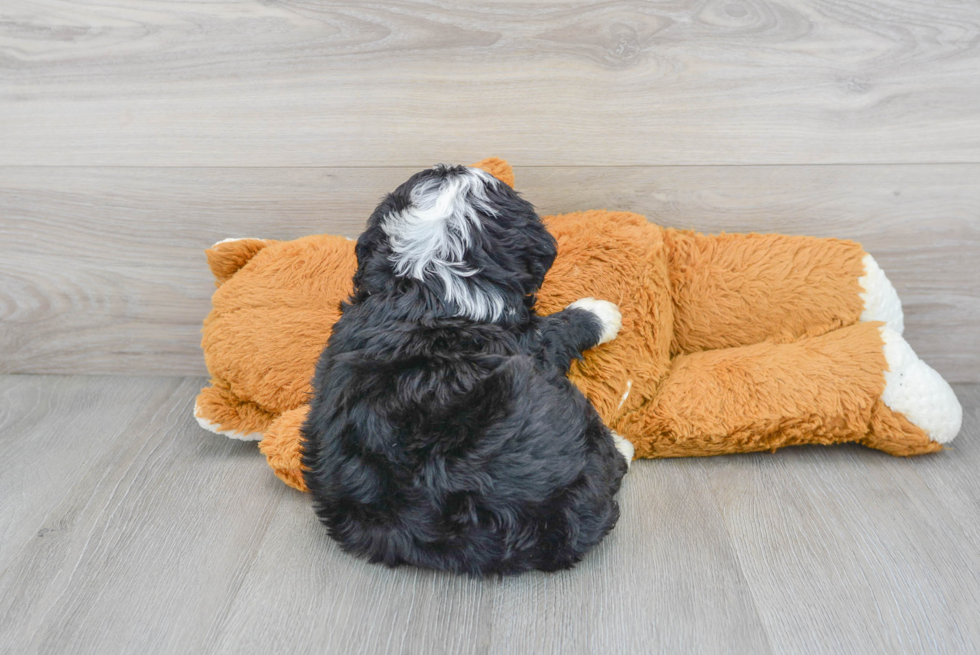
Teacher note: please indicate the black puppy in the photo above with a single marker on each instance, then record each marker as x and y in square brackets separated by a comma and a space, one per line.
[443, 431]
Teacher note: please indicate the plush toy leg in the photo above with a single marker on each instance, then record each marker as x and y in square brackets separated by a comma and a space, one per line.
[219, 410]
[741, 289]
[914, 390]
[827, 389]
[281, 447]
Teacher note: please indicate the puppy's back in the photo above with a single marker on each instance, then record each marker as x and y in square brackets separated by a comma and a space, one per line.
[479, 465]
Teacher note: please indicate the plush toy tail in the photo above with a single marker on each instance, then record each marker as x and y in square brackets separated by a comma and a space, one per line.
[229, 255]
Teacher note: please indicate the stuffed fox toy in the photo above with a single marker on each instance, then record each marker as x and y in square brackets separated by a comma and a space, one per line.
[729, 343]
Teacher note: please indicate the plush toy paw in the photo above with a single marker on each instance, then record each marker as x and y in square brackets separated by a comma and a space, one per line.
[607, 313]
[881, 301]
[624, 447]
[917, 391]
[216, 428]
[282, 447]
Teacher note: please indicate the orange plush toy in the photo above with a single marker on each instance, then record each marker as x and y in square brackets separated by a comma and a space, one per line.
[729, 343]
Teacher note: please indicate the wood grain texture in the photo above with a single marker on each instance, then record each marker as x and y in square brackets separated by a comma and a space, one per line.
[146, 534]
[104, 270]
[560, 82]
[47, 427]
[664, 581]
[145, 547]
[867, 551]
[951, 477]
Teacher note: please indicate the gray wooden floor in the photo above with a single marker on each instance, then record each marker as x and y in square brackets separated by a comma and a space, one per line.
[124, 528]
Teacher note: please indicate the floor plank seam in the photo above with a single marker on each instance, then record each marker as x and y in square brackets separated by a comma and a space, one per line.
[517, 166]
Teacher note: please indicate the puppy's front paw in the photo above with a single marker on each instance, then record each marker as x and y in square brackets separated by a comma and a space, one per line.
[607, 313]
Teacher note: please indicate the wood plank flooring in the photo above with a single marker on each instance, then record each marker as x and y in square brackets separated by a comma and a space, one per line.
[104, 270]
[126, 528]
[553, 82]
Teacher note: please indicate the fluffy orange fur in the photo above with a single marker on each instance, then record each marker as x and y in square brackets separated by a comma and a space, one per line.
[730, 343]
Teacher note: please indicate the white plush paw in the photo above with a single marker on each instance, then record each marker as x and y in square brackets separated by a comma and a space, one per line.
[624, 447]
[607, 313]
[881, 301]
[914, 389]
[231, 434]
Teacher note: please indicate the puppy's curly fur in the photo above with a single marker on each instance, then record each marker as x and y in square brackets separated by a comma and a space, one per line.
[443, 431]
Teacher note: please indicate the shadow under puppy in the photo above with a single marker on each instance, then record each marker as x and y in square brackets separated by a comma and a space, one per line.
[443, 431]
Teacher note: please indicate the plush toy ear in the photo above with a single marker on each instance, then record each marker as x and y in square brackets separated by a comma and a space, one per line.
[499, 168]
[226, 257]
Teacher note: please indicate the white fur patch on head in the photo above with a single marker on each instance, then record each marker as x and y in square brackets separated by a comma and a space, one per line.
[881, 301]
[430, 237]
[916, 390]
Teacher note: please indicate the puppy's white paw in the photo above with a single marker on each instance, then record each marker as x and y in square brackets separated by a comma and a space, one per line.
[624, 447]
[881, 301]
[607, 313]
[916, 390]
